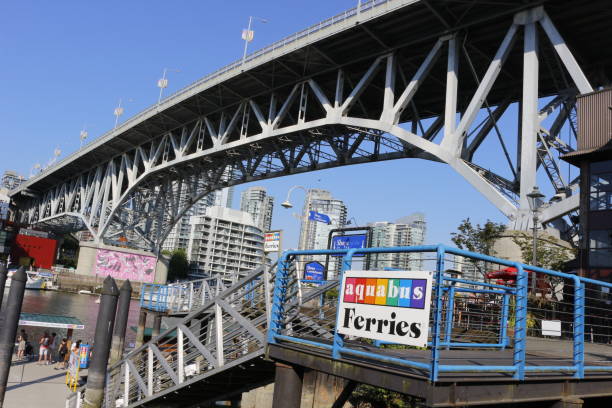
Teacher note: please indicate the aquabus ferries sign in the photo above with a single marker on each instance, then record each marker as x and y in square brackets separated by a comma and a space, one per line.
[391, 306]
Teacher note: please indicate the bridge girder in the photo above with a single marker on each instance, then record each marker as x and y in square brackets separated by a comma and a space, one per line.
[326, 121]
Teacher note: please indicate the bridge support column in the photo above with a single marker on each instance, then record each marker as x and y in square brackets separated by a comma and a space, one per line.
[3, 276]
[96, 377]
[287, 386]
[123, 310]
[568, 402]
[142, 324]
[322, 390]
[9, 328]
[157, 318]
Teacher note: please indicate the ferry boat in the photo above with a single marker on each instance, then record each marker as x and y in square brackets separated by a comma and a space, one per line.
[34, 281]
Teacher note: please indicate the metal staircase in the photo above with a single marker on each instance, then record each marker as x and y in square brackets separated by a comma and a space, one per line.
[215, 351]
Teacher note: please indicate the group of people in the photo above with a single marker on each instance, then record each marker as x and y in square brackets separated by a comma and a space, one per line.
[49, 351]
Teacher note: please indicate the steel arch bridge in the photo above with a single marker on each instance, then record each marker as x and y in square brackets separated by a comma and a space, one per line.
[428, 79]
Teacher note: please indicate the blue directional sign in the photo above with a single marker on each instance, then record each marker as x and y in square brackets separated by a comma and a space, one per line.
[349, 242]
[314, 271]
[319, 217]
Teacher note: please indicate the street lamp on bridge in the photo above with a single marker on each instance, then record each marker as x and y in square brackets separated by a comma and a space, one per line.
[119, 111]
[287, 204]
[535, 200]
[248, 34]
[163, 82]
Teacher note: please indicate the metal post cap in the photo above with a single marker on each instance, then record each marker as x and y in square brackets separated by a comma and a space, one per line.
[20, 275]
[109, 287]
[127, 286]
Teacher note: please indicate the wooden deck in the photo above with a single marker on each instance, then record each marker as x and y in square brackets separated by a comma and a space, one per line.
[465, 388]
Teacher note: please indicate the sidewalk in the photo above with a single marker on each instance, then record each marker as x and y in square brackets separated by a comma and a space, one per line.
[33, 386]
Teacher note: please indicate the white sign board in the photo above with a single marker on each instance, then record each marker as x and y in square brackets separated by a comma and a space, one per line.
[272, 241]
[36, 323]
[390, 306]
[551, 328]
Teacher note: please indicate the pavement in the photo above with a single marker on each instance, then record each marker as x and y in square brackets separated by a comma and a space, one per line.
[33, 386]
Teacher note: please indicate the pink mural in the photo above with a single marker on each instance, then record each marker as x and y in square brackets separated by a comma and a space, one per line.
[122, 265]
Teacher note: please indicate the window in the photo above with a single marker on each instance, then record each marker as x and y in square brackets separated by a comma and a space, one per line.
[601, 186]
[600, 248]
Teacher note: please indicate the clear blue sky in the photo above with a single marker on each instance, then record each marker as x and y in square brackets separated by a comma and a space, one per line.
[67, 63]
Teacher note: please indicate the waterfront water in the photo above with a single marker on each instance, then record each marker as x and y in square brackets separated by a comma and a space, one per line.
[83, 307]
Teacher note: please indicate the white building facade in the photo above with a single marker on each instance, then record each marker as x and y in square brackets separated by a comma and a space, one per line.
[257, 202]
[407, 231]
[11, 180]
[315, 234]
[178, 237]
[224, 242]
[4, 204]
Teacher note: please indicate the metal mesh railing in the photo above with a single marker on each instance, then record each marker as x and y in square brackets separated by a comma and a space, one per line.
[180, 297]
[228, 327]
[487, 315]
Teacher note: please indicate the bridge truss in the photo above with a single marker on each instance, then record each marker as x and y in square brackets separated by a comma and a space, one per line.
[316, 109]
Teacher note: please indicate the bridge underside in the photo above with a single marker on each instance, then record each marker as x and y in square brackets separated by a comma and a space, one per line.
[487, 87]
[457, 390]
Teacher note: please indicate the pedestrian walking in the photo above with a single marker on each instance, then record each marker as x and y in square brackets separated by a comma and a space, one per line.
[43, 349]
[61, 352]
[74, 355]
[68, 353]
[22, 340]
[52, 348]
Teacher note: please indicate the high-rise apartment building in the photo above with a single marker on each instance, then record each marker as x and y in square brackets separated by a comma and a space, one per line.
[257, 202]
[224, 197]
[179, 235]
[11, 180]
[407, 231]
[224, 242]
[315, 234]
[4, 203]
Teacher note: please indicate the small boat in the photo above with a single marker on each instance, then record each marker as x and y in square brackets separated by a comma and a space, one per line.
[84, 292]
[34, 281]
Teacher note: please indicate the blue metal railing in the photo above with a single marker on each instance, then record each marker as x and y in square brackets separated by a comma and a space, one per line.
[154, 296]
[441, 336]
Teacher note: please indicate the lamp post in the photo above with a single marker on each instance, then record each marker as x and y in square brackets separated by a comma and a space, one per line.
[35, 170]
[163, 83]
[534, 199]
[56, 153]
[119, 111]
[287, 204]
[247, 35]
[83, 135]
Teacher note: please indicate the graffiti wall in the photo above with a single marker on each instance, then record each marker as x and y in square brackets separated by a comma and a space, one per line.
[122, 265]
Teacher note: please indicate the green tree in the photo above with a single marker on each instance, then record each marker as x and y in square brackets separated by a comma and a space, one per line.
[549, 253]
[178, 267]
[477, 238]
[367, 396]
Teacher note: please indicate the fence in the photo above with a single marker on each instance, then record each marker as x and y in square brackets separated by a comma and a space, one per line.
[528, 322]
[180, 297]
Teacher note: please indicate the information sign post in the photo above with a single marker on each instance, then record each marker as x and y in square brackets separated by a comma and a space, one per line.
[391, 306]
